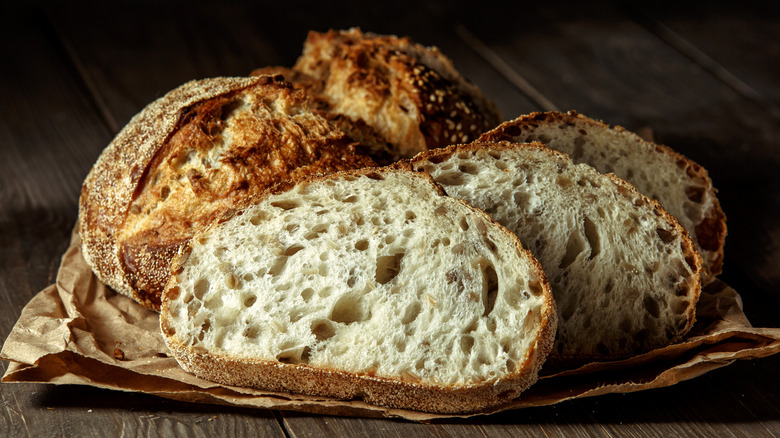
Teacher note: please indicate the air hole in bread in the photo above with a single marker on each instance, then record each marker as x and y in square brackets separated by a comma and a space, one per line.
[489, 289]
[250, 301]
[361, 245]
[470, 168]
[351, 281]
[285, 204]
[323, 270]
[665, 235]
[200, 288]
[400, 345]
[257, 218]
[411, 312]
[521, 200]
[563, 181]
[388, 267]
[251, 332]
[232, 281]
[291, 250]
[592, 235]
[164, 192]
[567, 310]
[452, 179]
[410, 216]
[409, 232]
[295, 355]
[350, 308]
[214, 302]
[316, 231]
[466, 344]
[325, 292]
[350, 199]
[500, 165]
[695, 194]
[574, 246]
[652, 307]
[306, 294]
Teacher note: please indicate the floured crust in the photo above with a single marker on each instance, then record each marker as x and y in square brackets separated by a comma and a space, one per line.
[187, 157]
[400, 391]
[709, 231]
[389, 93]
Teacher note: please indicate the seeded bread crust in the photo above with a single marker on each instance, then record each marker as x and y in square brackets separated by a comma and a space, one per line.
[544, 207]
[694, 204]
[391, 94]
[400, 391]
[185, 158]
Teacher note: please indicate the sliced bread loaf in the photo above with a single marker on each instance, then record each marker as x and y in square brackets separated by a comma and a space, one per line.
[390, 93]
[624, 273]
[679, 184]
[368, 284]
[202, 148]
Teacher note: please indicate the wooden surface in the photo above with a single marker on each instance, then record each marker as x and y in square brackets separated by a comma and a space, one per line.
[706, 81]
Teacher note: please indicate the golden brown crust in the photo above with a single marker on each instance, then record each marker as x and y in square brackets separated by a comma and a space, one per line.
[398, 392]
[395, 96]
[203, 148]
[709, 233]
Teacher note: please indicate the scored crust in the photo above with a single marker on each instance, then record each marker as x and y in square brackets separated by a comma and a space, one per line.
[708, 231]
[399, 391]
[204, 147]
[390, 93]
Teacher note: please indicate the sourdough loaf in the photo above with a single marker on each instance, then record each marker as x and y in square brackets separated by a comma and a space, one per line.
[679, 184]
[392, 94]
[366, 284]
[202, 148]
[624, 273]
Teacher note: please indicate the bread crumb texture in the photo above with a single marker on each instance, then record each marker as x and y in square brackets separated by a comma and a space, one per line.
[624, 274]
[682, 186]
[372, 274]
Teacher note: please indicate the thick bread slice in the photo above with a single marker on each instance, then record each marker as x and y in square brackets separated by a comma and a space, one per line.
[397, 96]
[680, 185]
[624, 273]
[369, 284]
[199, 150]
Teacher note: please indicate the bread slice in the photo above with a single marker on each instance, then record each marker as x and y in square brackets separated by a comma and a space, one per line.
[202, 148]
[679, 184]
[390, 93]
[624, 273]
[366, 284]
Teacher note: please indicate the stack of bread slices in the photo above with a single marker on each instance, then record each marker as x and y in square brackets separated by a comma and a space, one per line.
[360, 226]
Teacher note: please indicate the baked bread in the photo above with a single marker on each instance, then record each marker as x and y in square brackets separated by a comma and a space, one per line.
[624, 273]
[365, 284]
[202, 148]
[680, 185]
[391, 94]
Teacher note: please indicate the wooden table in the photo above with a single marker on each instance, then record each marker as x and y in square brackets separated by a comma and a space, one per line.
[706, 81]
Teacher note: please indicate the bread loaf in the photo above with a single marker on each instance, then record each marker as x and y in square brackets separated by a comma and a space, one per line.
[679, 184]
[391, 94]
[365, 284]
[202, 148]
[624, 273]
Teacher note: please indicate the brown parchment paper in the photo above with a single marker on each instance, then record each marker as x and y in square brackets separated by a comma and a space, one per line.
[78, 331]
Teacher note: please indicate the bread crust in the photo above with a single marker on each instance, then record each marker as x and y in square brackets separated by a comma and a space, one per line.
[709, 233]
[398, 392]
[391, 94]
[130, 252]
[623, 188]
